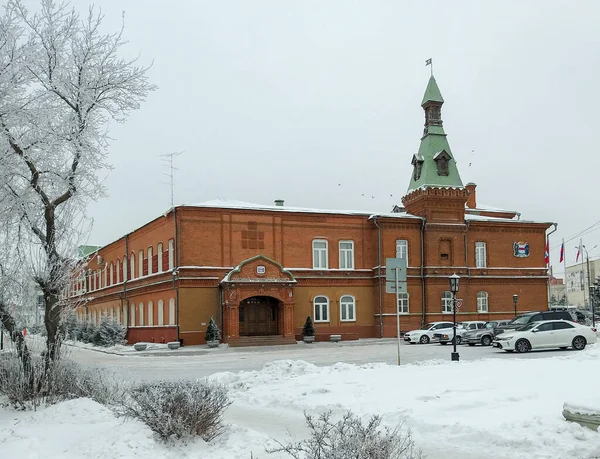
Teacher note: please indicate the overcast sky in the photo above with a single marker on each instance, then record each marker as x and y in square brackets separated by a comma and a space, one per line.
[318, 102]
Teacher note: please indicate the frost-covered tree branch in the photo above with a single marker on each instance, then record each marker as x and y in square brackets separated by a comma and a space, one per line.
[62, 81]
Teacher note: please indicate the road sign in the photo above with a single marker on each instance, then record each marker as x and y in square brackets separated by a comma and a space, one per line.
[459, 303]
[391, 266]
[390, 287]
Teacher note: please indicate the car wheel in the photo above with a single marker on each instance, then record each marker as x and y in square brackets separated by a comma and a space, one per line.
[579, 343]
[443, 343]
[458, 340]
[424, 339]
[471, 344]
[486, 340]
[523, 346]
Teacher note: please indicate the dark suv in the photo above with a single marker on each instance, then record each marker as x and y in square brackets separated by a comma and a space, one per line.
[534, 316]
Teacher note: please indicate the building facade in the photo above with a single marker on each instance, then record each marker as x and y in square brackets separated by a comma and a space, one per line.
[579, 277]
[261, 270]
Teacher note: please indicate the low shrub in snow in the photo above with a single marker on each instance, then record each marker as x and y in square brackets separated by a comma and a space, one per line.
[212, 331]
[108, 333]
[179, 409]
[351, 438]
[64, 380]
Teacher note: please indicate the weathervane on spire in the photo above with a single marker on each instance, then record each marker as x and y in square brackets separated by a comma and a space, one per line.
[429, 62]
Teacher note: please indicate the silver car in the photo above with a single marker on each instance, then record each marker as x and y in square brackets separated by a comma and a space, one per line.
[483, 336]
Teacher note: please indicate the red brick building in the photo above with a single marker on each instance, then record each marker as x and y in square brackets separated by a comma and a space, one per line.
[261, 270]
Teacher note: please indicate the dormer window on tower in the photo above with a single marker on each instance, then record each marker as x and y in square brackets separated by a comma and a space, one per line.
[433, 115]
[442, 160]
[417, 163]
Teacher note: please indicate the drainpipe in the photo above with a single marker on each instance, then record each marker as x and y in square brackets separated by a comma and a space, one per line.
[379, 276]
[176, 270]
[423, 290]
[565, 281]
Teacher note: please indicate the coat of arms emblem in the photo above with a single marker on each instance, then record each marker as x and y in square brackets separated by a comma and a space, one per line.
[521, 249]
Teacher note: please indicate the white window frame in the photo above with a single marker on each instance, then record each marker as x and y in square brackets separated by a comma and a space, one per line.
[149, 260]
[480, 254]
[483, 302]
[347, 305]
[323, 308]
[132, 266]
[403, 303]
[159, 253]
[320, 254]
[112, 274]
[141, 315]
[125, 316]
[132, 315]
[161, 313]
[150, 313]
[171, 254]
[125, 268]
[105, 276]
[447, 302]
[346, 255]
[402, 249]
[141, 263]
[118, 271]
[172, 311]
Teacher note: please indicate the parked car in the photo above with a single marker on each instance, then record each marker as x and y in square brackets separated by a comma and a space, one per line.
[533, 316]
[446, 335]
[424, 334]
[483, 336]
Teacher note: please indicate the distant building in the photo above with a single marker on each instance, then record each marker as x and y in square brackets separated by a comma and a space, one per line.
[558, 291]
[577, 285]
[260, 270]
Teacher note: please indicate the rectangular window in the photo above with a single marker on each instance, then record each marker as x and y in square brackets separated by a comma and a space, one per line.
[140, 263]
[149, 260]
[159, 252]
[141, 317]
[403, 303]
[171, 254]
[402, 249]
[447, 303]
[320, 260]
[480, 255]
[171, 311]
[346, 254]
[132, 315]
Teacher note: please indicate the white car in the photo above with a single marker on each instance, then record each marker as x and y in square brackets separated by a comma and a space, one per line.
[424, 334]
[446, 335]
[546, 334]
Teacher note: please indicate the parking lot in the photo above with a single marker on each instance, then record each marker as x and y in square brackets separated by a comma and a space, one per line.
[198, 361]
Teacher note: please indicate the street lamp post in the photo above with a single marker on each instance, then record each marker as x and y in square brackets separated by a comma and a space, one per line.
[454, 280]
[594, 295]
[515, 301]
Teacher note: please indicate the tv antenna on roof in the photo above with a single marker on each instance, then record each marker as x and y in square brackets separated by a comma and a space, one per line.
[167, 158]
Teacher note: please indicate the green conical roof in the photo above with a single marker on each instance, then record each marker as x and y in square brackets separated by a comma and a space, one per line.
[432, 93]
[433, 143]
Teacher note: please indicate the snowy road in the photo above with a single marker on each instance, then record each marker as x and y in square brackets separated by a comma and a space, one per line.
[199, 362]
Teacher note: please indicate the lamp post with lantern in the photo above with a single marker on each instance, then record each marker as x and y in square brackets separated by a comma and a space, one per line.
[454, 280]
[515, 301]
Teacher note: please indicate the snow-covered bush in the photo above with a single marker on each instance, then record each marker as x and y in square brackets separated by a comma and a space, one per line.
[351, 438]
[212, 331]
[109, 333]
[87, 332]
[37, 330]
[64, 380]
[179, 409]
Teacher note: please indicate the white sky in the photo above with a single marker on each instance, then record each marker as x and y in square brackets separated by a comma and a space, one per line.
[318, 102]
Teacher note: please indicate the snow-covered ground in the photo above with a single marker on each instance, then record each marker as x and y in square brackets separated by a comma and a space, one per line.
[507, 408]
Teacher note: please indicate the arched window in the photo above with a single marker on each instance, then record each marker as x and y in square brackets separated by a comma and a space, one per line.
[118, 314]
[171, 311]
[125, 268]
[447, 302]
[125, 316]
[159, 254]
[132, 266]
[141, 315]
[161, 313]
[149, 260]
[132, 315]
[171, 253]
[482, 302]
[347, 308]
[321, 309]
[118, 271]
[403, 303]
[112, 274]
[150, 313]
[140, 263]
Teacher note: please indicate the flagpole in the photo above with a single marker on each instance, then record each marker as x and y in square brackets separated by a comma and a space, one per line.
[565, 261]
[582, 269]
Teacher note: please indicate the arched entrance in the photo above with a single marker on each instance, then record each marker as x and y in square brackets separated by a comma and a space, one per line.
[259, 316]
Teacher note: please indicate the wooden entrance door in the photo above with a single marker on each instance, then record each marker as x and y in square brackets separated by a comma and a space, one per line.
[258, 316]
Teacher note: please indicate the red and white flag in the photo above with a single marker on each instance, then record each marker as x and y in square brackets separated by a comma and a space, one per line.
[578, 252]
[562, 252]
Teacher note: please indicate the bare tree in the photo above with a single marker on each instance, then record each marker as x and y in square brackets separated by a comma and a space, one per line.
[61, 82]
